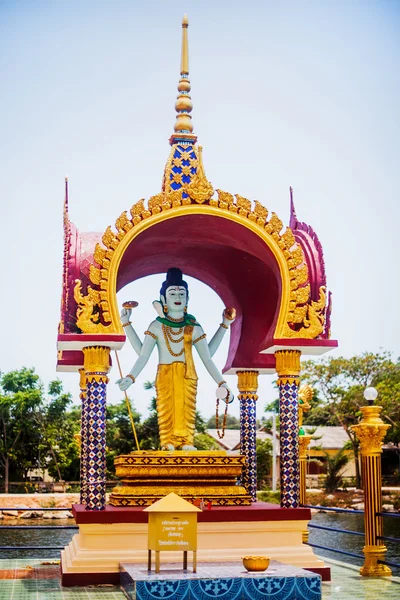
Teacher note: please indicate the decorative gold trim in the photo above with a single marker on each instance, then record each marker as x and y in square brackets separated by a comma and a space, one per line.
[371, 566]
[151, 334]
[306, 393]
[288, 363]
[199, 189]
[199, 338]
[310, 316]
[371, 431]
[248, 382]
[96, 363]
[82, 384]
[298, 317]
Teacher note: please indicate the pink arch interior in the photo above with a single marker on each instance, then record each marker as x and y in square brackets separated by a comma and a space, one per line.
[229, 258]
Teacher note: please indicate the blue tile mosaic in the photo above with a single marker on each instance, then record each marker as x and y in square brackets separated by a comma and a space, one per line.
[248, 428]
[289, 444]
[223, 589]
[224, 581]
[96, 444]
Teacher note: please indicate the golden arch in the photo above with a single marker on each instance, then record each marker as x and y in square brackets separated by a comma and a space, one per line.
[298, 317]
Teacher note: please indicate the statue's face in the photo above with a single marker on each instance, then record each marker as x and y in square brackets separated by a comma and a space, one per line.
[176, 298]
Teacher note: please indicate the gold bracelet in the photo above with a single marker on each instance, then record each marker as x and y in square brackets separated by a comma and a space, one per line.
[221, 383]
[131, 377]
[126, 324]
[199, 338]
[224, 326]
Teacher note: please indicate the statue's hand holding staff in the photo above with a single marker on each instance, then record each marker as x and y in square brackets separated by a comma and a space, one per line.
[125, 382]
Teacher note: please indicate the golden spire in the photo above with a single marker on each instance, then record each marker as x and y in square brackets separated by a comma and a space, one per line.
[183, 104]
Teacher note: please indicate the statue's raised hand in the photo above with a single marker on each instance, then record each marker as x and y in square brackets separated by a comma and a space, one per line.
[124, 383]
[227, 397]
[126, 315]
[228, 316]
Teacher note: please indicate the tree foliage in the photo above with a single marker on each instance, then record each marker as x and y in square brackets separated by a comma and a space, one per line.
[340, 383]
[264, 461]
[232, 422]
[334, 466]
[36, 430]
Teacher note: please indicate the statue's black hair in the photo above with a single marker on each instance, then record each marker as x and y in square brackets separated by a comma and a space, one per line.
[174, 278]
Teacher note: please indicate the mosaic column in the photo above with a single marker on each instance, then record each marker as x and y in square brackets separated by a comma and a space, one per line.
[83, 437]
[96, 362]
[248, 385]
[370, 433]
[288, 369]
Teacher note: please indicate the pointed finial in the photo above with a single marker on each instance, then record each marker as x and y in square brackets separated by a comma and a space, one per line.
[185, 47]
[293, 217]
[183, 104]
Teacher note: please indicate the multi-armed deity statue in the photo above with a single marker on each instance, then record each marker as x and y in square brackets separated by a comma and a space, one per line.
[175, 332]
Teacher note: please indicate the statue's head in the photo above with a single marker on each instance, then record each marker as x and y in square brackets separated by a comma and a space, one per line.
[174, 292]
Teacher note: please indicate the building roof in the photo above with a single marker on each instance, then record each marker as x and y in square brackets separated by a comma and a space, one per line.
[231, 439]
[330, 437]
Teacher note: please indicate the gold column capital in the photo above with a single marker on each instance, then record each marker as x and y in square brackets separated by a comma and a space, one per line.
[82, 383]
[371, 430]
[288, 365]
[248, 383]
[304, 441]
[96, 363]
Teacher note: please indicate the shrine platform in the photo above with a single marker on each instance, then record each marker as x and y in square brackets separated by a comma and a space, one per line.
[220, 580]
[119, 535]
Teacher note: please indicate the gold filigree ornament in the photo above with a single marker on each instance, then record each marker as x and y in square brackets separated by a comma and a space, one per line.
[199, 189]
[311, 317]
[299, 317]
[87, 313]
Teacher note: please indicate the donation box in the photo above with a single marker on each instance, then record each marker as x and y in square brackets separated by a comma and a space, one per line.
[172, 526]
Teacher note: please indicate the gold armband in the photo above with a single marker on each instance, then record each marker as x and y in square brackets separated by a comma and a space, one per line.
[199, 338]
[131, 377]
[224, 326]
[151, 334]
[221, 383]
[126, 324]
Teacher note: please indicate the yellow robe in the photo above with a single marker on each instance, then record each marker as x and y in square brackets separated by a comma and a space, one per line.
[176, 386]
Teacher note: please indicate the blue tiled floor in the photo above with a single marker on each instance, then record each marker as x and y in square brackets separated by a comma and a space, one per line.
[346, 585]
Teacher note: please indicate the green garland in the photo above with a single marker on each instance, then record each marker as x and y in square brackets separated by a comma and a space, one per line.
[187, 320]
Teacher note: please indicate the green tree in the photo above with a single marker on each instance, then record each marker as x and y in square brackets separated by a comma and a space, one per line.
[119, 436]
[334, 466]
[20, 396]
[232, 422]
[202, 441]
[264, 461]
[340, 383]
[35, 429]
[57, 430]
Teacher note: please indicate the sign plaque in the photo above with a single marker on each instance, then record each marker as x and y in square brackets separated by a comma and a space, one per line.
[172, 527]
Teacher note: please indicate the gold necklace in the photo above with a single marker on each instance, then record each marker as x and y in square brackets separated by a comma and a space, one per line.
[175, 320]
[168, 331]
[166, 338]
[173, 331]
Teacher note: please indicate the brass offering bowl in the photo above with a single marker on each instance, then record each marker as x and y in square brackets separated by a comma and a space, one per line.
[255, 563]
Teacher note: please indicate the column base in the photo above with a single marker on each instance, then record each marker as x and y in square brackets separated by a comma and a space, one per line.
[371, 566]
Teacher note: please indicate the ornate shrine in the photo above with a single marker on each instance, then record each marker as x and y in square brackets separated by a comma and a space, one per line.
[227, 241]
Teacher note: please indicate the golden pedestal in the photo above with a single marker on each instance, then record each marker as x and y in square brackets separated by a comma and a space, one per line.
[147, 476]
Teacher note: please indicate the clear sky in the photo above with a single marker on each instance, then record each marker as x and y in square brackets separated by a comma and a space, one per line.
[297, 93]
